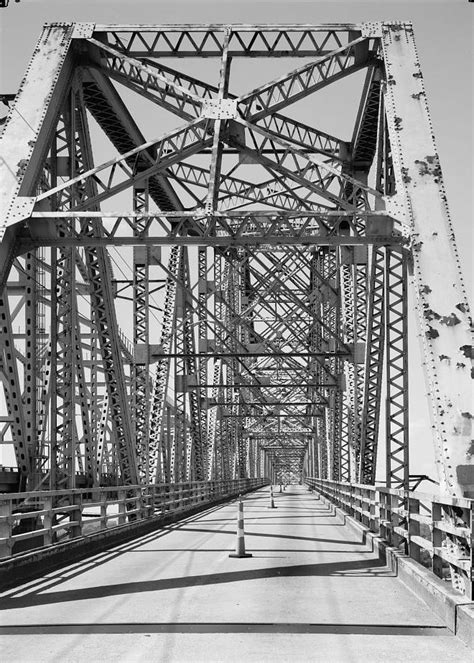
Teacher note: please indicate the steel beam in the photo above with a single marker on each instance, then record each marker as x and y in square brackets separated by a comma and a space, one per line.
[441, 300]
[284, 253]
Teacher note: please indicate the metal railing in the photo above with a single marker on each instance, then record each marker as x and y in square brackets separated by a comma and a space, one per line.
[33, 520]
[434, 530]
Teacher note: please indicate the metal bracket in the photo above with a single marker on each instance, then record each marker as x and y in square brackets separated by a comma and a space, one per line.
[21, 209]
[371, 29]
[220, 109]
[83, 30]
[395, 207]
[381, 226]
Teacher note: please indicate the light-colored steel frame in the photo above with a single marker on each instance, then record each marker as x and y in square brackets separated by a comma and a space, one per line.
[271, 354]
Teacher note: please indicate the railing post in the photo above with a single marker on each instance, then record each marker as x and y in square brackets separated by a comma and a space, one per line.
[122, 506]
[375, 511]
[76, 516]
[358, 500]
[371, 501]
[146, 501]
[436, 539]
[141, 503]
[162, 498]
[383, 516]
[349, 510]
[6, 522]
[365, 507]
[393, 518]
[48, 519]
[167, 497]
[413, 527]
[151, 500]
[103, 510]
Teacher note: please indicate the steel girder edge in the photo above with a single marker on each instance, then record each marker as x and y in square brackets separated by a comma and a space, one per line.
[452, 608]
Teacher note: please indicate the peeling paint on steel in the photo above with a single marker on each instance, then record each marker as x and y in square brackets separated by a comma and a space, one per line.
[437, 274]
[27, 115]
[83, 30]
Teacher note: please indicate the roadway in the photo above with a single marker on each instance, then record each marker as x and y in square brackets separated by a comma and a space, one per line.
[312, 591]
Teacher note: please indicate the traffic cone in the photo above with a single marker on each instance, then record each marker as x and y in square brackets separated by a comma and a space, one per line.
[272, 503]
[240, 544]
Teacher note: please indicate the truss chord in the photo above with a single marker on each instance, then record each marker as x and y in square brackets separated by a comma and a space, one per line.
[264, 262]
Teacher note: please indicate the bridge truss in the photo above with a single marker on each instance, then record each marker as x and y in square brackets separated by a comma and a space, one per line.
[227, 298]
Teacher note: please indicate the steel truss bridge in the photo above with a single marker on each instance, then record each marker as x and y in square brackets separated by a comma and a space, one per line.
[197, 284]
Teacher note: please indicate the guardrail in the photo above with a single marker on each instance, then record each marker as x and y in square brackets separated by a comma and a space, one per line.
[44, 518]
[434, 530]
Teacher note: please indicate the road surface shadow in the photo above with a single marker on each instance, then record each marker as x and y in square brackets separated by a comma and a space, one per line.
[367, 568]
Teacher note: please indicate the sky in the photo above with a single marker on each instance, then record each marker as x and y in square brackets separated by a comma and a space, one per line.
[444, 32]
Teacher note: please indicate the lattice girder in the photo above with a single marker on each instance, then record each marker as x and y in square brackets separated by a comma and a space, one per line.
[284, 252]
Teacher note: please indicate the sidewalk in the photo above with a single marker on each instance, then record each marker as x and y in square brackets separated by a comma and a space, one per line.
[311, 592]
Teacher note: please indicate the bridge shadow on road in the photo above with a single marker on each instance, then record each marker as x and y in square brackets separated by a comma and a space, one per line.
[369, 567]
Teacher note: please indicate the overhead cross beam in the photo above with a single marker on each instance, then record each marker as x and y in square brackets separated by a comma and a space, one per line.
[281, 252]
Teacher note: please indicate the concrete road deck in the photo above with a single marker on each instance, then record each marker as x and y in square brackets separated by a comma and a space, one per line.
[311, 592]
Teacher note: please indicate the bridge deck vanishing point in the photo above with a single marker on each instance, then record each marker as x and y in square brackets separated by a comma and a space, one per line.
[312, 591]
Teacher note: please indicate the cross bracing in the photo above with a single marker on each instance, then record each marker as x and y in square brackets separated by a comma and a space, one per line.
[200, 282]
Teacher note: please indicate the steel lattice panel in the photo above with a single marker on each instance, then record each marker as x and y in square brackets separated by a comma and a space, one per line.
[257, 263]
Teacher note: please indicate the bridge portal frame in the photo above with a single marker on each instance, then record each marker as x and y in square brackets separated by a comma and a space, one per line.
[320, 200]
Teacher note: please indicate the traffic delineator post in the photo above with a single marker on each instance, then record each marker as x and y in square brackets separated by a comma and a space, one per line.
[240, 544]
[272, 503]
